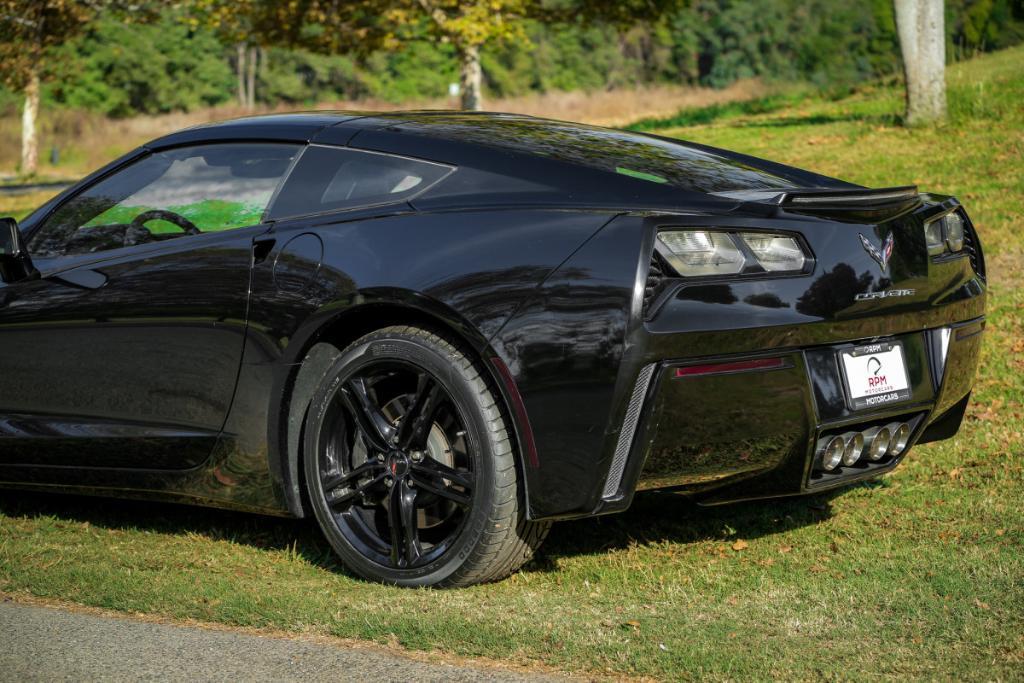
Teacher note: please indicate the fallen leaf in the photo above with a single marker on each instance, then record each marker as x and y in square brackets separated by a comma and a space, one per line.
[785, 548]
[739, 545]
[633, 623]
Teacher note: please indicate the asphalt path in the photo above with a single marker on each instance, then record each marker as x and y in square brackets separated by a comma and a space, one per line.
[52, 644]
[33, 187]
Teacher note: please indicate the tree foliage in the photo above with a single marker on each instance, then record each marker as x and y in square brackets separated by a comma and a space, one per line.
[119, 70]
[29, 29]
[184, 60]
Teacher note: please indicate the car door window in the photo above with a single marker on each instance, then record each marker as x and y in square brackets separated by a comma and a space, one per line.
[332, 178]
[167, 195]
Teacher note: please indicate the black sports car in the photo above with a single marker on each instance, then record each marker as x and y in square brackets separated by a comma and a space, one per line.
[437, 332]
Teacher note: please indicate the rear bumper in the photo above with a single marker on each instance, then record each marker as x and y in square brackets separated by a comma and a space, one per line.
[749, 431]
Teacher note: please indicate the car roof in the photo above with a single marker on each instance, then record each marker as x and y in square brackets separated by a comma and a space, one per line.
[574, 156]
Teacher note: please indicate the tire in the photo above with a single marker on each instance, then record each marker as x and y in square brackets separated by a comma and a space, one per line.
[409, 466]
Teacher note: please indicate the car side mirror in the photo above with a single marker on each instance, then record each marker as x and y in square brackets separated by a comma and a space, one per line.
[15, 263]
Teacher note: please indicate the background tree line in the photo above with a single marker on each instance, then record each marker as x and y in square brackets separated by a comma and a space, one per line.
[127, 57]
[177, 64]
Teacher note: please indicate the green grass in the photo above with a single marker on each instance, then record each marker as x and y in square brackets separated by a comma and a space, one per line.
[716, 112]
[920, 574]
[21, 205]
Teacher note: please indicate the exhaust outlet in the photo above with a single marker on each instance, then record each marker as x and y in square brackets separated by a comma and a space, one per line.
[878, 439]
[900, 437]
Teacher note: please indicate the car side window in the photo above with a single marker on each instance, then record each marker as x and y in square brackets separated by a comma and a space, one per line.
[332, 178]
[166, 195]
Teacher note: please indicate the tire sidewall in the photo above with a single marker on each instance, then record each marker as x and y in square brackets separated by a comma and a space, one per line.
[448, 367]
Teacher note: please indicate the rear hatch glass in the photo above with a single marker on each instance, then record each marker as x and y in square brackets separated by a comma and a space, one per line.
[635, 155]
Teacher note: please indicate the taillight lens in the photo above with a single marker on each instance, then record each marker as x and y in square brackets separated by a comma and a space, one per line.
[934, 238]
[700, 252]
[945, 234]
[776, 253]
[695, 253]
[954, 225]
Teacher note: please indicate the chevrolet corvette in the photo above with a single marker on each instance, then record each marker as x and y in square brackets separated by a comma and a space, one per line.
[435, 333]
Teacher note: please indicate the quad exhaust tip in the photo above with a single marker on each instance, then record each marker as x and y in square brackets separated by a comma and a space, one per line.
[871, 444]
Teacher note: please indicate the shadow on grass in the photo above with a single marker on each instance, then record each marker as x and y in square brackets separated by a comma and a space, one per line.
[887, 120]
[665, 517]
[257, 531]
[757, 107]
[655, 517]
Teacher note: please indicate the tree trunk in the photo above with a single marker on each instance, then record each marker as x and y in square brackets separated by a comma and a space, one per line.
[921, 27]
[471, 78]
[29, 140]
[243, 99]
[251, 86]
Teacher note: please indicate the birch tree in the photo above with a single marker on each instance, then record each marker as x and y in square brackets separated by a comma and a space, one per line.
[921, 28]
[29, 30]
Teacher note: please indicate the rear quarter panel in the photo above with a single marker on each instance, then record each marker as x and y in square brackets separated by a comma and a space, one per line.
[468, 270]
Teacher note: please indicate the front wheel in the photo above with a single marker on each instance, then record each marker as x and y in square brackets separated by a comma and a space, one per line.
[409, 465]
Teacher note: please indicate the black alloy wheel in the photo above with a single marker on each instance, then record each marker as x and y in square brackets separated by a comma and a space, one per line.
[409, 465]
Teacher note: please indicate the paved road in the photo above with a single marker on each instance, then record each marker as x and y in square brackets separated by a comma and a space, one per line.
[47, 644]
[32, 187]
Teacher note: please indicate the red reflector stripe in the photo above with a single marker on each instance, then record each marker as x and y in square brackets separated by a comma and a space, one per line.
[734, 366]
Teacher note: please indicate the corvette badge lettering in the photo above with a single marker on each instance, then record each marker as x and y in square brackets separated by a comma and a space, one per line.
[888, 294]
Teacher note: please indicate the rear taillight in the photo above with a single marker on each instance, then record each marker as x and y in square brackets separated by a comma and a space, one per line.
[709, 252]
[945, 235]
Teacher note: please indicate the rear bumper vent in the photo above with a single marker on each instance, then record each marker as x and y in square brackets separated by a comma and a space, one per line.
[972, 246]
[655, 283]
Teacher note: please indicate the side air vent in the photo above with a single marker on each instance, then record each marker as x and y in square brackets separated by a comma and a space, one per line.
[973, 248]
[657, 273]
[629, 423]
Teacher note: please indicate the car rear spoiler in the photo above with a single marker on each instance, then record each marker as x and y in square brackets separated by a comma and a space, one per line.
[856, 204]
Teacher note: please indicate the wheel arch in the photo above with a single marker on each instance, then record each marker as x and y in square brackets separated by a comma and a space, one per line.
[318, 344]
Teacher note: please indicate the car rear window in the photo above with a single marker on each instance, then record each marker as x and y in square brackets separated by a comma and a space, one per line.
[634, 155]
[333, 178]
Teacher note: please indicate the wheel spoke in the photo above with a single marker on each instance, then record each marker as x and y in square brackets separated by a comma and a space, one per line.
[411, 532]
[417, 420]
[342, 478]
[405, 544]
[374, 427]
[336, 497]
[442, 489]
[433, 468]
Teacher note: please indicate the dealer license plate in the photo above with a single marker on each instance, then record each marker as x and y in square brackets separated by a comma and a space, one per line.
[875, 375]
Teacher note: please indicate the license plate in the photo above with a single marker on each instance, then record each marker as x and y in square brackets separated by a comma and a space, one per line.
[875, 374]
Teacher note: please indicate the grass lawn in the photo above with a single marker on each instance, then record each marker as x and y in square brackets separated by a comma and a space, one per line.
[918, 574]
